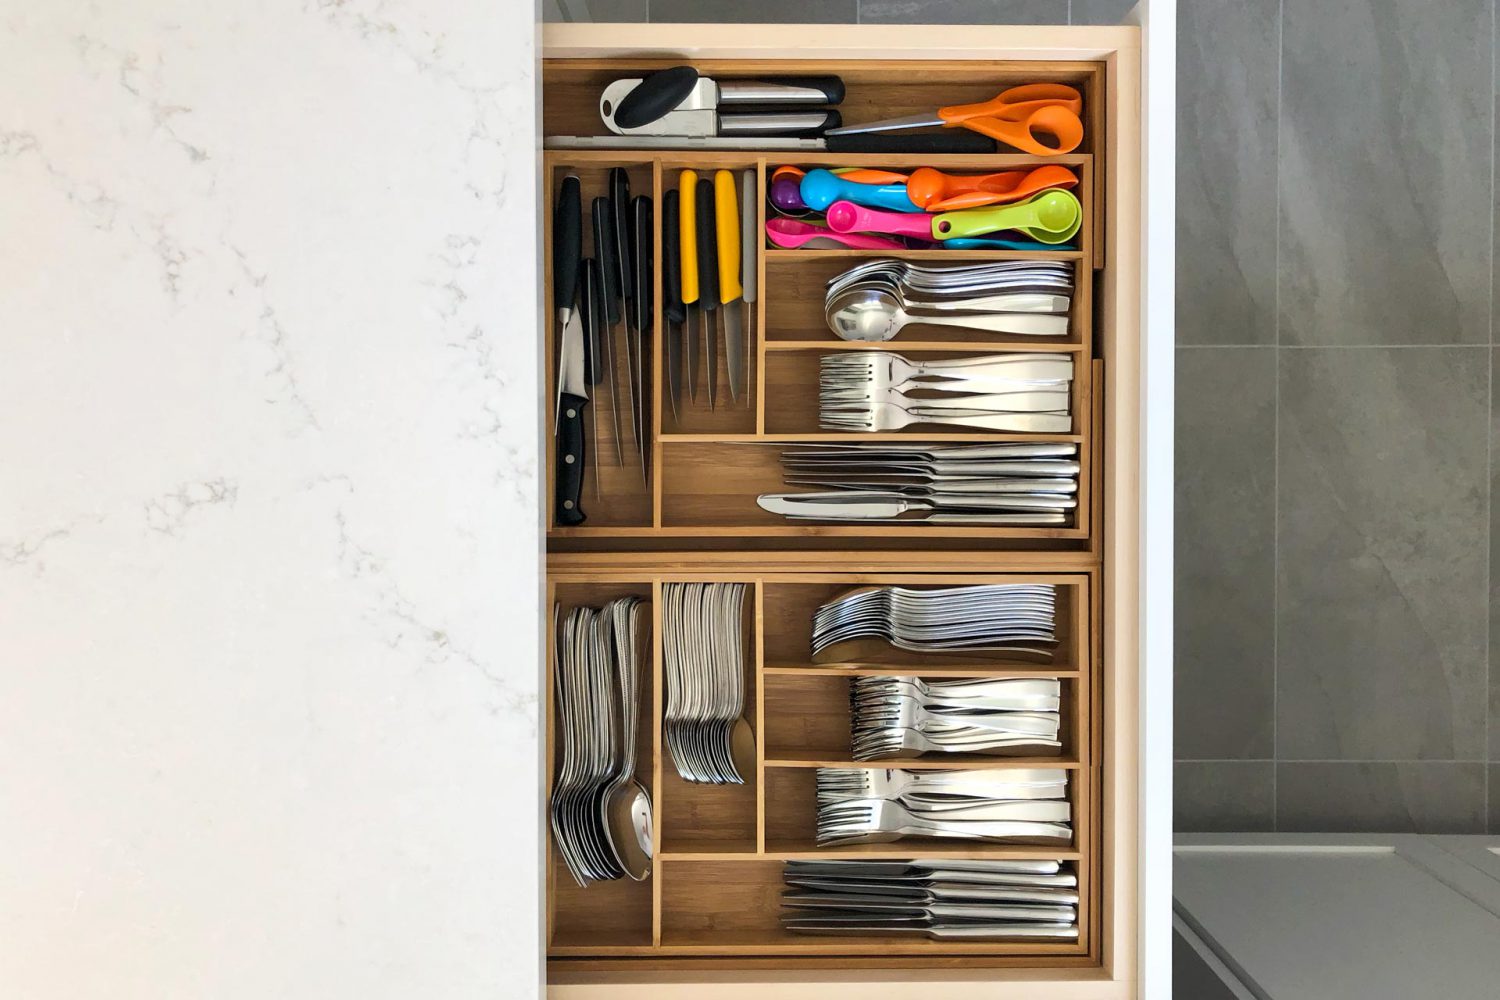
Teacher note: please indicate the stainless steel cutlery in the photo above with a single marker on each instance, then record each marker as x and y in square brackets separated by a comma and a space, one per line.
[936, 899]
[908, 717]
[703, 667]
[600, 812]
[880, 391]
[1011, 620]
[972, 811]
[1005, 483]
[874, 301]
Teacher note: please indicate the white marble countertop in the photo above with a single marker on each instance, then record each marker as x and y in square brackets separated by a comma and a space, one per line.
[268, 522]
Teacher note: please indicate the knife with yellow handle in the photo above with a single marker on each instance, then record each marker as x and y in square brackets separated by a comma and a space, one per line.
[727, 231]
[687, 234]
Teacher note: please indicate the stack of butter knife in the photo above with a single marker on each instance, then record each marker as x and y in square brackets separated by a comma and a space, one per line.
[935, 899]
[995, 484]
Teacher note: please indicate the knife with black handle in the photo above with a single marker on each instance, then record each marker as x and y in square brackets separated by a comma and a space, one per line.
[567, 248]
[591, 311]
[639, 303]
[619, 214]
[572, 397]
[671, 293]
[708, 281]
[604, 254]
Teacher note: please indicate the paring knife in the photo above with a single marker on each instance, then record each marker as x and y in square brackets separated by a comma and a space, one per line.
[572, 385]
[749, 263]
[604, 254]
[671, 293]
[620, 225]
[708, 282]
[687, 183]
[727, 233]
[642, 252]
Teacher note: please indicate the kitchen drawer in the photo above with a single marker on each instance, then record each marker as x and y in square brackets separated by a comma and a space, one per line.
[708, 916]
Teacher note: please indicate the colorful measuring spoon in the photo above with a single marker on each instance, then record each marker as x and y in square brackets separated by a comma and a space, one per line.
[821, 188]
[792, 234]
[934, 191]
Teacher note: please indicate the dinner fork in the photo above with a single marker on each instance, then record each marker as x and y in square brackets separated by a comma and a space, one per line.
[879, 821]
[892, 417]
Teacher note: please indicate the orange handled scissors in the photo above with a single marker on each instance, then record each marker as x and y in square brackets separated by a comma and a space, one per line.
[1015, 117]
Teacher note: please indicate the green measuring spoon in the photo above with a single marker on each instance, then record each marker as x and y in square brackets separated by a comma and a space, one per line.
[1050, 217]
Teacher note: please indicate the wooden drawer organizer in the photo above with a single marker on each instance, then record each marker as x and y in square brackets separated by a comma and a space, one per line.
[711, 902]
[718, 848]
[708, 466]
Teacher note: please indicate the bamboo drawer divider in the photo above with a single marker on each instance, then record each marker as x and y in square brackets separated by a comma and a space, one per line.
[712, 900]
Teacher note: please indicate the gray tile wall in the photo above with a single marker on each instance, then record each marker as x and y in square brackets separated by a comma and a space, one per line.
[1334, 369]
[1335, 219]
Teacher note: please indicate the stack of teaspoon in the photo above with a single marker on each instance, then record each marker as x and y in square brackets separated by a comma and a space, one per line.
[600, 812]
[703, 665]
[1006, 483]
[874, 301]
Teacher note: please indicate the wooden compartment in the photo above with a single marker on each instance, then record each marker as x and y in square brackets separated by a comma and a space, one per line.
[874, 89]
[789, 609]
[792, 825]
[694, 415]
[615, 489]
[807, 724]
[734, 908]
[602, 917]
[792, 379]
[795, 313]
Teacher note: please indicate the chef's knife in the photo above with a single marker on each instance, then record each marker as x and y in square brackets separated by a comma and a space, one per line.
[604, 253]
[639, 304]
[687, 183]
[727, 233]
[708, 282]
[836, 507]
[671, 293]
[567, 248]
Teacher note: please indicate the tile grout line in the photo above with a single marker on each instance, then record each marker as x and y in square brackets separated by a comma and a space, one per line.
[1276, 451]
[1338, 347]
[1328, 760]
[1489, 447]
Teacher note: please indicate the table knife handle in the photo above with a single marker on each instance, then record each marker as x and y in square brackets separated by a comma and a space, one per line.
[570, 458]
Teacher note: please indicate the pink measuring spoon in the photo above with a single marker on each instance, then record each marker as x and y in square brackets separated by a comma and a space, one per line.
[792, 234]
[847, 217]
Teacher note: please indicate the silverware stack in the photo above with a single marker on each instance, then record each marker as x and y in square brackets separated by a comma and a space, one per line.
[883, 391]
[1013, 806]
[875, 300]
[703, 647]
[909, 717]
[1007, 483]
[1016, 621]
[942, 900]
[601, 814]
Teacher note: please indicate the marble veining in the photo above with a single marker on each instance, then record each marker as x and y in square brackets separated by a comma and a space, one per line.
[269, 527]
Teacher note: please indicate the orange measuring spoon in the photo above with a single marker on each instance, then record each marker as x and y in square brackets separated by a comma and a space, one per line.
[934, 191]
[858, 175]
